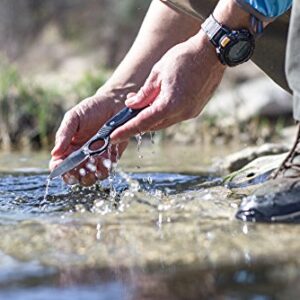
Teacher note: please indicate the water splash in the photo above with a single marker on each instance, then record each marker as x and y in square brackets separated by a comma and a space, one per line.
[139, 139]
[152, 136]
[43, 203]
[112, 172]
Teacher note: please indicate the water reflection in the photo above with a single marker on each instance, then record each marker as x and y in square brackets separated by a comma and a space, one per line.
[170, 283]
[168, 237]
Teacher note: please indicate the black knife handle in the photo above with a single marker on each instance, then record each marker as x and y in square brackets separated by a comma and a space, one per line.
[116, 121]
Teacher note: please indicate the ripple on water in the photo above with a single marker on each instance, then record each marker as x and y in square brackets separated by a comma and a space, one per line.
[26, 194]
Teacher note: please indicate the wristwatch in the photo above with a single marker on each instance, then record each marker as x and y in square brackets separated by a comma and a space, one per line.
[233, 47]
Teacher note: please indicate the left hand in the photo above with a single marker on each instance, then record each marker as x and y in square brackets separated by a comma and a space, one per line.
[177, 89]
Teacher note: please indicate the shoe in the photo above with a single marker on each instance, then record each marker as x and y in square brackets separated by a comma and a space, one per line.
[278, 199]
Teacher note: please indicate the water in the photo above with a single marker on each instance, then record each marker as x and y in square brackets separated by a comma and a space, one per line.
[163, 235]
[48, 180]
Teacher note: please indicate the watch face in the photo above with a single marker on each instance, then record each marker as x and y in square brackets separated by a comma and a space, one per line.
[239, 51]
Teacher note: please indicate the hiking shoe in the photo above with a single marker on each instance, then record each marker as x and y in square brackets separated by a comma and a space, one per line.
[278, 199]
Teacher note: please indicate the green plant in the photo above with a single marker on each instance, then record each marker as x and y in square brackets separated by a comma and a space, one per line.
[89, 84]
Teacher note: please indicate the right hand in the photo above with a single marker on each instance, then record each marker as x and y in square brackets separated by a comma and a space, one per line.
[78, 125]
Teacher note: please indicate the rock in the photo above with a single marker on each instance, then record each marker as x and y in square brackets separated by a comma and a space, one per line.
[255, 172]
[239, 159]
[258, 97]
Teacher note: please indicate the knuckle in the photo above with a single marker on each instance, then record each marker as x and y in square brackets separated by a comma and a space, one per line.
[155, 70]
[143, 92]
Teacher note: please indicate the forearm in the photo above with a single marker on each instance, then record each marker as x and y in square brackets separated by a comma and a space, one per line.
[161, 30]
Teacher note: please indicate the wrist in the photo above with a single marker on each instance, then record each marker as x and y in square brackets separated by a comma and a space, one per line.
[205, 50]
[117, 90]
[230, 14]
[232, 46]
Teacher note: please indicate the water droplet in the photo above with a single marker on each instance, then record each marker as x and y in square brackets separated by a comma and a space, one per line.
[152, 135]
[91, 167]
[98, 232]
[82, 172]
[245, 229]
[160, 220]
[150, 179]
[44, 201]
[107, 164]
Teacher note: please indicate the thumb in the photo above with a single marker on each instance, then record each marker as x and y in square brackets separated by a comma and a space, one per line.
[68, 127]
[146, 95]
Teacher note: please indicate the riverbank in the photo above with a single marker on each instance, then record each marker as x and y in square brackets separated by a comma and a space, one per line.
[247, 108]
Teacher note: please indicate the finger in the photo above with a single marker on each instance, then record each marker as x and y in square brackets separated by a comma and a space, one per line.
[82, 177]
[53, 163]
[70, 179]
[129, 95]
[143, 122]
[83, 174]
[74, 176]
[96, 168]
[147, 93]
[69, 126]
[88, 180]
[115, 151]
[164, 124]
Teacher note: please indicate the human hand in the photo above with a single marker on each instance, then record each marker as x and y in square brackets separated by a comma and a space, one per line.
[177, 89]
[79, 125]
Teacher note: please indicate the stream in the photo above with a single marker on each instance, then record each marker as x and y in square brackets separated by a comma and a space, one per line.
[163, 227]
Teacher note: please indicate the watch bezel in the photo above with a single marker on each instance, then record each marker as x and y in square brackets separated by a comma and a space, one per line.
[234, 37]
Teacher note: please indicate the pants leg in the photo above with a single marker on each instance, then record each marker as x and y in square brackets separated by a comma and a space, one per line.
[293, 57]
[270, 49]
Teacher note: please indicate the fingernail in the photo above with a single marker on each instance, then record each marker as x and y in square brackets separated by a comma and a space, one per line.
[131, 101]
[130, 95]
[53, 150]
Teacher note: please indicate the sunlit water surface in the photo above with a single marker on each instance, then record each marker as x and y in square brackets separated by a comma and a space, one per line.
[162, 227]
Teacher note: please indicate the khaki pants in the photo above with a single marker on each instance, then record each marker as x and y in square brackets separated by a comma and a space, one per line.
[270, 49]
[293, 57]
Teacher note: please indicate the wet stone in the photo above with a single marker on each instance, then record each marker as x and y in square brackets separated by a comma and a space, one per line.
[254, 173]
[238, 160]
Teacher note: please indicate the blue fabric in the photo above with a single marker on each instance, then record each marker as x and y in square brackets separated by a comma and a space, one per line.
[270, 8]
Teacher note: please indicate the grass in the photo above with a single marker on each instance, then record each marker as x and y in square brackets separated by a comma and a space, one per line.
[30, 114]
